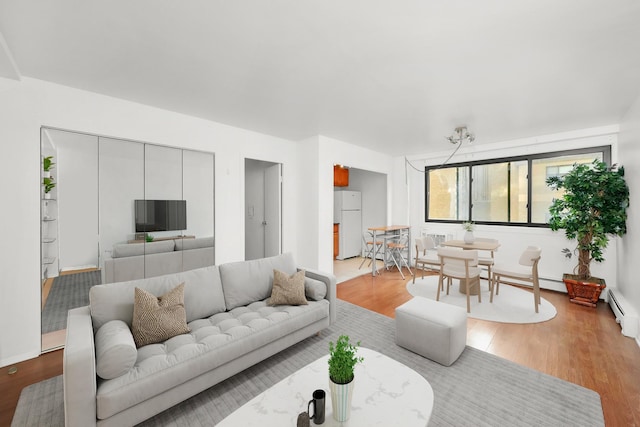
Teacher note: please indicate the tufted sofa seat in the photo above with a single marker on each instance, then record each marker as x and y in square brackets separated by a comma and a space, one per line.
[231, 328]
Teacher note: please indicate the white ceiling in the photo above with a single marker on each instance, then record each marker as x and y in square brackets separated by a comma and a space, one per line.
[395, 76]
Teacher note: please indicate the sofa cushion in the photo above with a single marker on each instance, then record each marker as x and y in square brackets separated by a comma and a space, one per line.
[116, 351]
[314, 289]
[212, 343]
[202, 295]
[201, 242]
[133, 249]
[156, 319]
[287, 289]
[245, 282]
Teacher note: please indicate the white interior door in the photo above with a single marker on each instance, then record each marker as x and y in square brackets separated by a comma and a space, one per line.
[272, 210]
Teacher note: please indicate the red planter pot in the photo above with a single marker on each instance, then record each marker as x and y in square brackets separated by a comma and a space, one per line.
[584, 292]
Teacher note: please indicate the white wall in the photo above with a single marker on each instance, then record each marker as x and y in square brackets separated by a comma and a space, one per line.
[513, 240]
[309, 199]
[28, 104]
[629, 245]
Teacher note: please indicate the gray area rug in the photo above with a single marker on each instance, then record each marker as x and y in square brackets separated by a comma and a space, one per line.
[67, 292]
[479, 389]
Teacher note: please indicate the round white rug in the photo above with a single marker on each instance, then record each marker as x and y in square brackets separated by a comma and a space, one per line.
[512, 305]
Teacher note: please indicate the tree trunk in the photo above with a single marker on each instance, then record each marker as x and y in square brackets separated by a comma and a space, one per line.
[584, 259]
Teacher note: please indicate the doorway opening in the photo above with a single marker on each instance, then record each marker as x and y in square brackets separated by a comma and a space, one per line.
[372, 190]
[263, 209]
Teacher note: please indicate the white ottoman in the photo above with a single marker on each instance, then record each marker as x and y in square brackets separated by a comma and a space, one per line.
[433, 329]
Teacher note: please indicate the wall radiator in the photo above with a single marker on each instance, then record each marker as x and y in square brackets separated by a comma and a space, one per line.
[626, 316]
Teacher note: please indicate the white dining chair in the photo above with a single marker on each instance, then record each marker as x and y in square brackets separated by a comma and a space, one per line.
[371, 248]
[462, 265]
[525, 271]
[487, 258]
[396, 247]
[426, 255]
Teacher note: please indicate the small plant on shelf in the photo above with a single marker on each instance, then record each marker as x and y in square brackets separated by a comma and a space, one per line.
[148, 237]
[48, 185]
[342, 360]
[47, 163]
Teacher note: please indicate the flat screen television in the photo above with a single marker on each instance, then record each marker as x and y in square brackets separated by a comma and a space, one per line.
[160, 215]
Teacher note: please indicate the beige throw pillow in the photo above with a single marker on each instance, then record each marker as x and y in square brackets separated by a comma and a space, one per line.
[287, 290]
[156, 319]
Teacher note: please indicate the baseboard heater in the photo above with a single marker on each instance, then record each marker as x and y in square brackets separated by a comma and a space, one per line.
[625, 314]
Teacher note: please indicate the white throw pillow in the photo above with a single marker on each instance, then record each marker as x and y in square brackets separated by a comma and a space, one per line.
[116, 351]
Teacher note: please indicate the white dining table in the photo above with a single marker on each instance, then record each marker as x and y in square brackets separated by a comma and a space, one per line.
[480, 245]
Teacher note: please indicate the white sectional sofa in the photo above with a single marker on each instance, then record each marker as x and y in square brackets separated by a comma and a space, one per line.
[130, 261]
[231, 328]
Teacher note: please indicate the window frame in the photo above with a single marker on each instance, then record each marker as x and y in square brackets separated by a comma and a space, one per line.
[529, 158]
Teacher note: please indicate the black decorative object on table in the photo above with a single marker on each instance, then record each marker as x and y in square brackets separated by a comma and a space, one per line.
[318, 400]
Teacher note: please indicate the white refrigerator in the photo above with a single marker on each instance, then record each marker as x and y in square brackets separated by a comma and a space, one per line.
[346, 212]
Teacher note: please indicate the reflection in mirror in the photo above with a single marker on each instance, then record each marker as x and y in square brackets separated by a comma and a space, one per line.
[163, 186]
[69, 227]
[198, 192]
[89, 228]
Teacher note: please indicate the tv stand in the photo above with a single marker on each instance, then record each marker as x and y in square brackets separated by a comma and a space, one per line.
[158, 239]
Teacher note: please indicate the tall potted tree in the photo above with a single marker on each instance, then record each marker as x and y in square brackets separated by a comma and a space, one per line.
[592, 208]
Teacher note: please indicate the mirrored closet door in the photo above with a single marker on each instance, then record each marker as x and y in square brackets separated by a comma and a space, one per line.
[116, 210]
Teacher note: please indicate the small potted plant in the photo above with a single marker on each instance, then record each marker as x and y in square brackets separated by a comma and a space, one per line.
[592, 208]
[47, 165]
[48, 185]
[342, 362]
[468, 227]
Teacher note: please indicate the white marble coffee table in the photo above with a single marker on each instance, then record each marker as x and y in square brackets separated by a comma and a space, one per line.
[386, 393]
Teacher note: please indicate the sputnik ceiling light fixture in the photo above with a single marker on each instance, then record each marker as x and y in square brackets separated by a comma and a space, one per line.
[461, 134]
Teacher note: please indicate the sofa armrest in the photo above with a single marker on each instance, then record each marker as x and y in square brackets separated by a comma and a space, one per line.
[79, 370]
[330, 281]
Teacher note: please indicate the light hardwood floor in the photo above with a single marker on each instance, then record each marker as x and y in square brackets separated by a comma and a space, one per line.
[599, 357]
[581, 345]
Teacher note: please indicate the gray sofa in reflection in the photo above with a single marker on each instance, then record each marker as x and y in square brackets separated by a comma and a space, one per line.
[130, 261]
[108, 382]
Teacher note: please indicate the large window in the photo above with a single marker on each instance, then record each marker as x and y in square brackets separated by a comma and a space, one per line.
[500, 191]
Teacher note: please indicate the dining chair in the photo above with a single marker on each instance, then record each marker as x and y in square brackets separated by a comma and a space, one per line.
[371, 247]
[424, 246]
[487, 259]
[462, 265]
[526, 271]
[396, 247]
